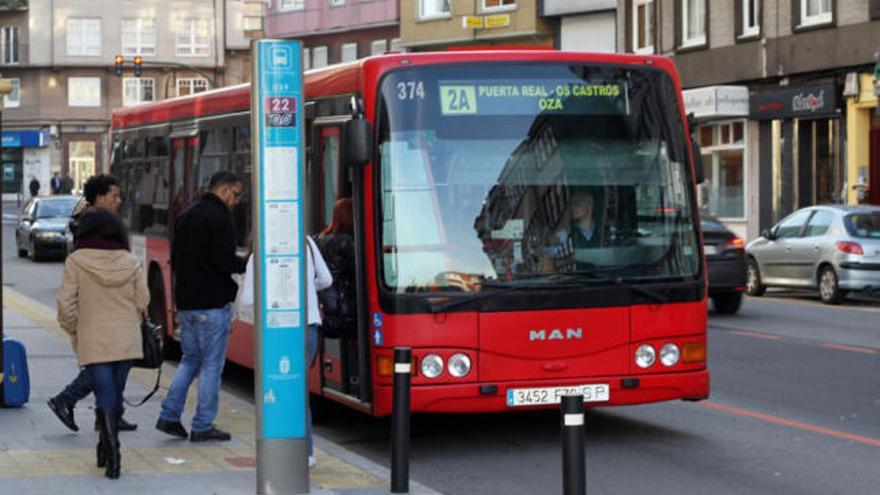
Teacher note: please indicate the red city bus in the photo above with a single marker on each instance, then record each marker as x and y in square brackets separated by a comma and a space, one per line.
[525, 221]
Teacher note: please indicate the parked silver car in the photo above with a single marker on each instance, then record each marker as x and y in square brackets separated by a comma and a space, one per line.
[833, 248]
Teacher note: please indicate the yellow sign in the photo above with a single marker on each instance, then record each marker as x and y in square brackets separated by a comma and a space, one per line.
[472, 22]
[497, 21]
[458, 100]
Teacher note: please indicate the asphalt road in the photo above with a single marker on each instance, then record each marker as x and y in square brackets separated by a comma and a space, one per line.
[795, 409]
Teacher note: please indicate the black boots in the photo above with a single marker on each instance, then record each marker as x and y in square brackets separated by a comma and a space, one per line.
[64, 412]
[108, 445]
[123, 424]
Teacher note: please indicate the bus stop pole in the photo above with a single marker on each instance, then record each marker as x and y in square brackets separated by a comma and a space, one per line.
[400, 416]
[5, 89]
[574, 472]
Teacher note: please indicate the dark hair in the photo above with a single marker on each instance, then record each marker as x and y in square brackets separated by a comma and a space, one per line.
[222, 178]
[343, 219]
[98, 224]
[98, 185]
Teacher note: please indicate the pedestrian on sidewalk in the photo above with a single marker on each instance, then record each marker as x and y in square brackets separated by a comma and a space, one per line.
[101, 301]
[101, 191]
[318, 278]
[203, 259]
[55, 184]
[34, 186]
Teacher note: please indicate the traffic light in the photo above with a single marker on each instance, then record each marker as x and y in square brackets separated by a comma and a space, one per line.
[137, 65]
[119, 61]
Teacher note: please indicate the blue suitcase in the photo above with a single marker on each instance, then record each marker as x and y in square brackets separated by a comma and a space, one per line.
[16, 381]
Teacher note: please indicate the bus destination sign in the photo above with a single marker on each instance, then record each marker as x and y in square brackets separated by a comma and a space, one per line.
[461, 98]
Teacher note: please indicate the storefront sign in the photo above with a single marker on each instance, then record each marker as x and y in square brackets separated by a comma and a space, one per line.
[25, 139]
[804, 102]
[472, 22]
[717, 101]
[497, 21]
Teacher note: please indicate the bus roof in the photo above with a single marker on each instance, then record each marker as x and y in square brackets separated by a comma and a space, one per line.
[348, 78]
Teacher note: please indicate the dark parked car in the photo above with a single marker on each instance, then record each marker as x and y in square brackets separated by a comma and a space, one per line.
[726, 261]
[40, 231]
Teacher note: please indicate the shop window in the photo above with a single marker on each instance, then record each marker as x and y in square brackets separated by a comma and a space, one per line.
[723, 151]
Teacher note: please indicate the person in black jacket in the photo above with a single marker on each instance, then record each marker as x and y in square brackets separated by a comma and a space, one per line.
[336, 243]
[203, 259]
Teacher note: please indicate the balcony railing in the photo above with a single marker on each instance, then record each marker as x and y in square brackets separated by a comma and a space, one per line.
[13, 5]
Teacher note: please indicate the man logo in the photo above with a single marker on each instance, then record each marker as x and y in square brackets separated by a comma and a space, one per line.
[556, 334]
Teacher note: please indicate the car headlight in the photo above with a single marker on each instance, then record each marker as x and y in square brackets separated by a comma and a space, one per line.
[669, 354]
[645, 356]
[459, 365]
[432, 366]
[48, 235]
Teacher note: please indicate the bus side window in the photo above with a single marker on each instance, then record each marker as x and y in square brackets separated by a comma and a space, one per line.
[241, 167]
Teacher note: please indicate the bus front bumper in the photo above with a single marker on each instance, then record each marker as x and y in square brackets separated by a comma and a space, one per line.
[492, 397]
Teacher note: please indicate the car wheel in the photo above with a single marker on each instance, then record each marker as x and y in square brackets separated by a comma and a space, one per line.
[22, 253]
[727, 304]
[829, 290]
[34, 255]
[754, 287]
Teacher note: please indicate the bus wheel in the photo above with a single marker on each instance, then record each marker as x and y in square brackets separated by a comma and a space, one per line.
[170, 347]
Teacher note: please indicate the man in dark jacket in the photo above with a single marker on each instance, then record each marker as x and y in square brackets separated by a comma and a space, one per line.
[34, 187]
[203, 259]
[100, 191]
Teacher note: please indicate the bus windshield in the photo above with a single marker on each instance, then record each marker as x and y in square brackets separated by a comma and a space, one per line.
[507, 173]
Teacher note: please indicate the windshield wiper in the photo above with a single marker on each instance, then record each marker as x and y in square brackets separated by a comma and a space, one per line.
[502, 286]
[571, 278]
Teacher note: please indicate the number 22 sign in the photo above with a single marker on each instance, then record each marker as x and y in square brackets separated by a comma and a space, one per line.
[280, 111]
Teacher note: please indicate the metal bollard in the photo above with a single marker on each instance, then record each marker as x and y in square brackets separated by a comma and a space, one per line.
[400, 420]
[574, 470]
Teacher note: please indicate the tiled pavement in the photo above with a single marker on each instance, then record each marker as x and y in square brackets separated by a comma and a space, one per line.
[39, 455]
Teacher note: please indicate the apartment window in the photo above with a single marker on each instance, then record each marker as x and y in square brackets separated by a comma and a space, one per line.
[286, 5]
[138, 90]
[349, 52]
[13, 99]
[84, 91]
[815, 12]
[750, 18]
[9, 45]
[723, 148]
[378, 47]
[84, 37]
[191, 85]
[498, 4]
[433, 8]
[138, 37]
[337, 3]
[693, 27]
[307, 58]
[319, 57]
[194, 39]
[643, 26]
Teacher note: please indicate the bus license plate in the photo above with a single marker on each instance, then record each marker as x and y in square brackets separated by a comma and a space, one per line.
[596, 392]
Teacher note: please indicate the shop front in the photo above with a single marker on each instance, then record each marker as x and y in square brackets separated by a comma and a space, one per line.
[800, 149]
[25, 155]
[721, 133]
[863, 140]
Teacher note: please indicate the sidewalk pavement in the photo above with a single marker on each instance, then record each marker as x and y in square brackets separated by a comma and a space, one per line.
[40, 455]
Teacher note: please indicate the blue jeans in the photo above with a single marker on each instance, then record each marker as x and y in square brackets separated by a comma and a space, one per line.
[312, 335]
[204, 335]
[78, 389]
[109, 380]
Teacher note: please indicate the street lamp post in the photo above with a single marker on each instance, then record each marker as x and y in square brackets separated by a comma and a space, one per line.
[5, 89]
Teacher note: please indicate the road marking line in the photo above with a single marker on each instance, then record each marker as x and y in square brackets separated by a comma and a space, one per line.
[756, 335]
[850, 348]
[874, 442]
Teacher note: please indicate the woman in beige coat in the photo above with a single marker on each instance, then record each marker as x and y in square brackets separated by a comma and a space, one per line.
[102, 299]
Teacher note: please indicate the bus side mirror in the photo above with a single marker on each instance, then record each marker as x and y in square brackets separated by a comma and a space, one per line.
[699, 173]
[358, 141]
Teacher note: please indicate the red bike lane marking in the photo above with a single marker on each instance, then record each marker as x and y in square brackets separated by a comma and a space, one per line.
[850, 348]
[874, 442]
[745, 333]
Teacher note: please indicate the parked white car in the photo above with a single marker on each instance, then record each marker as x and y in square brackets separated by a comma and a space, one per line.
[832, 248]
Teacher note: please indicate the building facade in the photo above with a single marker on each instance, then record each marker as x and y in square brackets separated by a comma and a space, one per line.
[335, 31]
[584, 25]
[427, 25]
[806, 133]
[60, 56]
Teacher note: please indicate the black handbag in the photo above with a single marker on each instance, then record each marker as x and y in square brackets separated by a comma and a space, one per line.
[151, 337]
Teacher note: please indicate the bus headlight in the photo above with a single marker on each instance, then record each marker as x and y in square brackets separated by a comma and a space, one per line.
[669, 354]
[645, 356]
[459, 365]
[432, 366]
